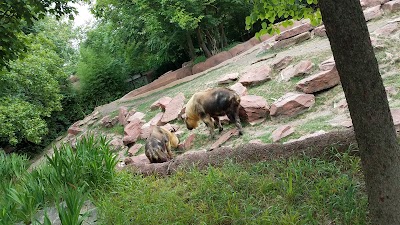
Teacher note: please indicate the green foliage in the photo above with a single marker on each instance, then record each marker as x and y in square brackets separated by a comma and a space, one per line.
[74, 199]
[12, 166]
[18, 16]
[270, 11]
[299, 190]
[34, 86]
[73, 173]
[91, 162]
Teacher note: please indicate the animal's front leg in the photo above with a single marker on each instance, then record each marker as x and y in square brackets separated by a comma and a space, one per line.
[210, 124]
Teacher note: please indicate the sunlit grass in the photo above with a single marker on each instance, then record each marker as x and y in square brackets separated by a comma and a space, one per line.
[299, 190]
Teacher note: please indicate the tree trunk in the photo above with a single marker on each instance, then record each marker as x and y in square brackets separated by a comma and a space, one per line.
[191, 50]
[203, 46]
[368, 105]
[224, 40]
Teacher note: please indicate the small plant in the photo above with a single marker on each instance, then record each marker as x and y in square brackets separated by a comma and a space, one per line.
[69, 210]
[90, 162]
[12, 166]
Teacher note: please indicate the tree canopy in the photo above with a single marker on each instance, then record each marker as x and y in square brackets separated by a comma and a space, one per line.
[16, 18]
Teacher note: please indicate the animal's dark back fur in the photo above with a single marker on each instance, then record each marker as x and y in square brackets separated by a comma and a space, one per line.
[220, 101]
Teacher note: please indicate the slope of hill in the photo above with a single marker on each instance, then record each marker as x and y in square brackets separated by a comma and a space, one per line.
[327, 113]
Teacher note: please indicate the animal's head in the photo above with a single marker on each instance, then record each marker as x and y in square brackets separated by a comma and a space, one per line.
[191, 123]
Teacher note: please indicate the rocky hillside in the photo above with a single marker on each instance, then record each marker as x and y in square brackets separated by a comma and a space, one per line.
[289, 86]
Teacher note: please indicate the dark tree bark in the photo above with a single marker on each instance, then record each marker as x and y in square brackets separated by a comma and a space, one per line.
[368, 105]
[224, 40]
[203, 46]
[190, 46]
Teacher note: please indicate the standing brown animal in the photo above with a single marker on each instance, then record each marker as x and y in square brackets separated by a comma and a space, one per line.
[210, 104]
[158, 145]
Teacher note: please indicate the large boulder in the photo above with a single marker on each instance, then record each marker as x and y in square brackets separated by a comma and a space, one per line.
[240, 48]
[292, 40]
[122, 113]
[132, 131]
[228, 78]
[200, 67]
[281, 63]
[253, 109]
[392, 6]
[319, 81]
[239, 88]
[320, 31]
[294, 31]
[291, 103]
[136, 115]
[327, 64]
[371, 3]
[387, 29]
[299, 69]
[218, 58]
[373, 12]
[256, 75]
[161, 103]
[174, 108]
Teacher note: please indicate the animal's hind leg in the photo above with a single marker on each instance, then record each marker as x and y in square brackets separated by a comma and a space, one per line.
[218, 123]
[234, 117]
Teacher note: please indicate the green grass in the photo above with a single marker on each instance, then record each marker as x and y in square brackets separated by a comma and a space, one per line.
[67, 176]
[299, 190]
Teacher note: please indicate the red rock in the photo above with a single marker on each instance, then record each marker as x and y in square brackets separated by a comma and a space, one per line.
[291, 103]
[342, 104]
[392, 6]
[171, 127]
[319, 81]
[315, 134]
[239, 88]
[225, 137]
[146, 130]
[140, 159]
[116, 144]
[292, 40]
[108, 122]
[320, 31]
[156, 120]
[256, 75]
[372, 3]
[133, 128]
[281, 63]
[294, 31]
[189, 142]
[372, 13]
[218, 58]
[256, 141]
[137, 115]
[281, 132]
[134, 149]
[74, 130]
[327, 64]
[299, 69]
[161, 103]
[130, 139]
[253, 108]
[123, 111]
[173, 109]
[200, 67]
[240, 48]
[396, 118]
[391, 91]
[228, 78]
[387, 29]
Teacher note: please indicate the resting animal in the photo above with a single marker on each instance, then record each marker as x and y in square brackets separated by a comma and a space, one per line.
[158, 145]
[210, 104]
